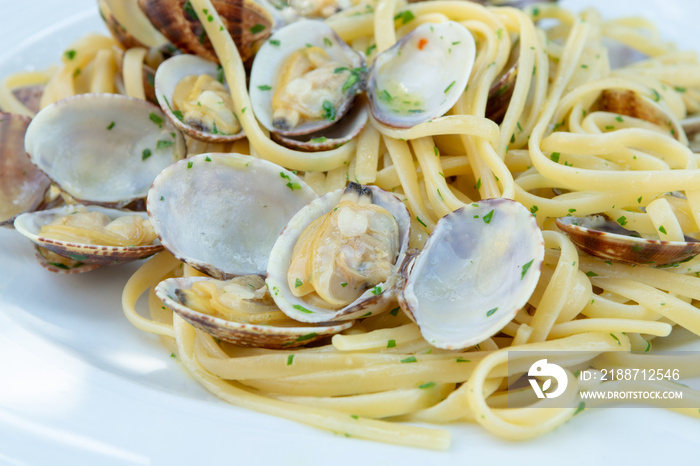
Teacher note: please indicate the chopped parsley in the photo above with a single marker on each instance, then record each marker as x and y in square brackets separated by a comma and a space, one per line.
[491, 312]
[487, 218]
[662, 230]
[427, 385]
[301, 308]
[590, 273]
[391, 344]
[329, 110]
[405, 16]
[290, 359]
[421, 222]
[189, 164]
[275, 42]
[622, 221]
[526, 267]
[298, 283]
[555, 157]
[110, 126]
[163, 143]
[447, 89]
[70, 54]
[264, 87]
[377, 290]
[145, 154]
[616, 339]
[257, 28]
[308, 336]
[394, 312]
[409, 359]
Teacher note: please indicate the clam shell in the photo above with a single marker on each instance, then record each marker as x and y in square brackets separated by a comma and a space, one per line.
[368, 303]
[129, 25]
[72, 267]
[630, 103]
[422, 75]
[479, 266]
[242, 334]
[248, 23]
[329, 138]
[30, 224]
[110, 147]
[589, 235]
[168, 75]
[502, 89]
[273, 54]
[221, 213]
[30, 96]
[22, 186]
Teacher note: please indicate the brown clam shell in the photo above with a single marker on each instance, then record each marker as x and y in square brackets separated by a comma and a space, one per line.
[502, 89]
[30, 96]
[66, 266]
[605, 239]
[30, 224]
[630, 103]
[243, 334]
[118, 31]
[248, 23]
[22, 185]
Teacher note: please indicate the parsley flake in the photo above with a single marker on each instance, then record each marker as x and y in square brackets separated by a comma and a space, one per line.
[526, 267]
[257, 28]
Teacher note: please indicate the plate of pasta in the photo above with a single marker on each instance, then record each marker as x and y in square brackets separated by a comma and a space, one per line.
[241, 236]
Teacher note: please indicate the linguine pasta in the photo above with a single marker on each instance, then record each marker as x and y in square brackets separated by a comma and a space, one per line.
[555, 151]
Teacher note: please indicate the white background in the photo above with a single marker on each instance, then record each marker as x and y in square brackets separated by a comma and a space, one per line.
[80, 386]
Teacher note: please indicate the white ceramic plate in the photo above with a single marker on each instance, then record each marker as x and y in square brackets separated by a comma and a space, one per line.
[80, 386]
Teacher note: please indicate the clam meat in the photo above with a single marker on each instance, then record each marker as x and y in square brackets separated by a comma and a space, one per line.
[345, 252]
[239, 311]
[338, 258]
[191, 92]
[305, 78]
[90, 234]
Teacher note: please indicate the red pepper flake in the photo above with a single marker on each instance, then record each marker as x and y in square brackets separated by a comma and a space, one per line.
[422, 43]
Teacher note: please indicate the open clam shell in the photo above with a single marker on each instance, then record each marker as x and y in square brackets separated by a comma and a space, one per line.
[129, 25]
[60, 264]
[502, 88]
[221, 213]
[168, 75]
[329, 138]
[274, 54]
[601, 237]
[373, 301]
[248, 22]
[479, 266]
[422, 75]
[239, 333]
[103, 148]
[30, 224]
[22, 186]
